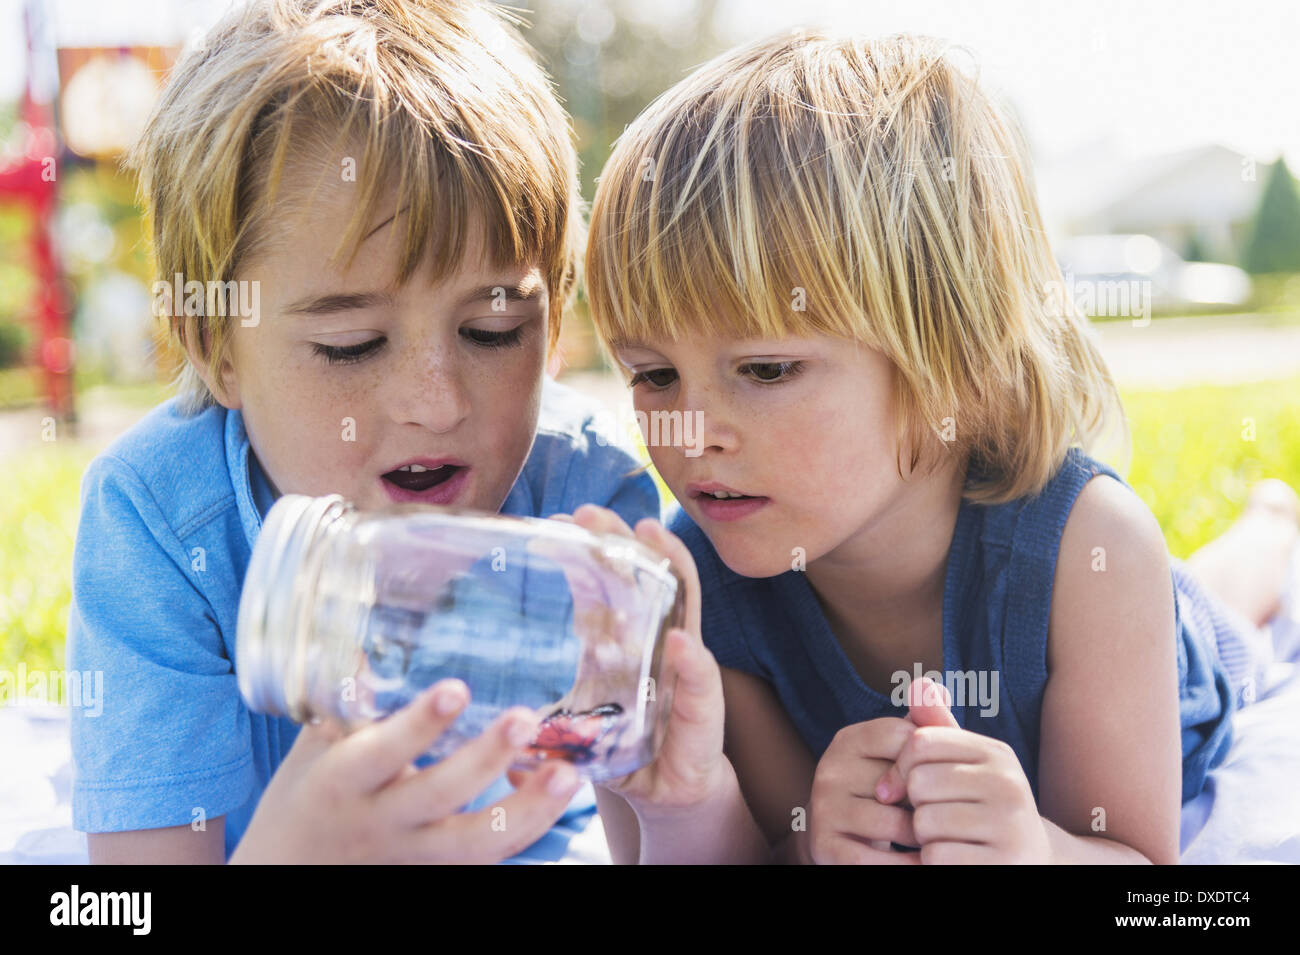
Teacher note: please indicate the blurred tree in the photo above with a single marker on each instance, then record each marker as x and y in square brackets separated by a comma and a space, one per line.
[1274, 243]
[1194, 248]
[610, 59]
[14, 342]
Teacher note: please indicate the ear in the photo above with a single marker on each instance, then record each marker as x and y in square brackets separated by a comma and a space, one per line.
[228, 392]
[222, 381]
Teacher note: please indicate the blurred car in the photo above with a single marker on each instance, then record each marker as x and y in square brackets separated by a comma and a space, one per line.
[1090, 260]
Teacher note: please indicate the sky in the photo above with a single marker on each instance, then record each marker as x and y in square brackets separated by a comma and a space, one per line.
[1150, 75]
[1144, 76]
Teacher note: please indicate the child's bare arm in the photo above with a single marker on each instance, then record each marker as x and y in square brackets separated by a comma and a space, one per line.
[720, 829]
[773, 770]
[1110, 752]
[174, 845]
[1109, 755]
[773, 773]
[622, 831]
[772, 763]
[686, 805]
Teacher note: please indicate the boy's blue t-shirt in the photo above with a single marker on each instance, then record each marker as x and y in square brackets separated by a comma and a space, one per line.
[996, 609]
[169, 515]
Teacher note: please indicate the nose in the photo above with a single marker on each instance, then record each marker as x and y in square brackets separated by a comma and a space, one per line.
[707, 422]
[428, 388]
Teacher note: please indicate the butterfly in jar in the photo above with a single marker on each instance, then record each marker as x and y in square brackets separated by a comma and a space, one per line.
[573, 736]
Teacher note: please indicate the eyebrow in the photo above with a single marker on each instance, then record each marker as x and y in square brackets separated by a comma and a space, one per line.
[618, 344]
[338, 302]
[529, 290]
[345, 301]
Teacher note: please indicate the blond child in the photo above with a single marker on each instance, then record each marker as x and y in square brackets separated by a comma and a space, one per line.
[367, 226]
[830, 252]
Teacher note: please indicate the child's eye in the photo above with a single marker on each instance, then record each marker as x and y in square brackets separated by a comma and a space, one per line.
[772, 371]
[486, 338]
[658, 377]
[346, 354]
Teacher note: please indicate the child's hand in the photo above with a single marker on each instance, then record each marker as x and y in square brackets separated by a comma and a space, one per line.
[846, 824]
[971, 802]
[358, 798]
[690, 767]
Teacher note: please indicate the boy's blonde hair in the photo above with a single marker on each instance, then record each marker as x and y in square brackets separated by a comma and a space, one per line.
[444, 101]
[867, 189]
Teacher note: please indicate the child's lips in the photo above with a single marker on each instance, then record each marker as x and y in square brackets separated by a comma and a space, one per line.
[728, 508]
[710, 488]
[418, 478]
[442, 485]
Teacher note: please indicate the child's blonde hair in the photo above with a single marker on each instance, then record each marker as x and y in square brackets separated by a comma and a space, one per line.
[445, 101]
[866, 189]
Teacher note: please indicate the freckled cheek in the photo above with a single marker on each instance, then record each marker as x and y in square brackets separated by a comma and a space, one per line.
[506, 397]
[811, 458]
[507, 422]
[325, 433]
[670, 463]
[785, 450]
[857, 460]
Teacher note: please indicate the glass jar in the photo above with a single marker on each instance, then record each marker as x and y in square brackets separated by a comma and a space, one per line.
[349, 614]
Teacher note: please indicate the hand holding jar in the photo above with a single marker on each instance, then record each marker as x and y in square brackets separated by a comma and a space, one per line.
[348, 616]
[690, 767]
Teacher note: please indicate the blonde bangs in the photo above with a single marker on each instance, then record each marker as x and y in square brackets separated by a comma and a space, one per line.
[439, 103]
[442, 177]
[866, 189]
[694, 230]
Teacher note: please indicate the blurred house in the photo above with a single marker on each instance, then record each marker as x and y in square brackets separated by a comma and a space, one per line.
[1129, 275]
[1199, 202]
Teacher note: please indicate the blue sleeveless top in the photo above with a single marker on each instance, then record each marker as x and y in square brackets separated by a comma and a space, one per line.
[996, 606]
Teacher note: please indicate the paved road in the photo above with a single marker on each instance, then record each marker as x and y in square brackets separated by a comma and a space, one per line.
[1173, 352]
[101, 418]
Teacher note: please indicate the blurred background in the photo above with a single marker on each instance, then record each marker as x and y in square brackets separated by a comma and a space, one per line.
[1164, 137]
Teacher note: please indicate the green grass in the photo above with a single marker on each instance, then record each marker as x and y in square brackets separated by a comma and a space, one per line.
[19, 386]
[1193, 457]
[38, 522]
[23, 387]
[144, 394]
[1190, 463]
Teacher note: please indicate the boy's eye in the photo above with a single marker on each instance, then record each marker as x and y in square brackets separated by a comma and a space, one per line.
[658, 377]
[769, 371]
[346, 354]
[487, 338]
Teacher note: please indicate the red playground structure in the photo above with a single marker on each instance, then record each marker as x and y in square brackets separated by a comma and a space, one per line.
[31, 180]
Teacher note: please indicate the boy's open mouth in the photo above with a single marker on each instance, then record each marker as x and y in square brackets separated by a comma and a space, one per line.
[416, 477]
[716, 492]
[720, 503]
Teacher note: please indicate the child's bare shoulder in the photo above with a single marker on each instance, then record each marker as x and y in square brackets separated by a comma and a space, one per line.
[1109, 515]
[1112, 572]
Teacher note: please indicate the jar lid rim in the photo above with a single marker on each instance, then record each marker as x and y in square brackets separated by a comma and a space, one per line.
[266, 600]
